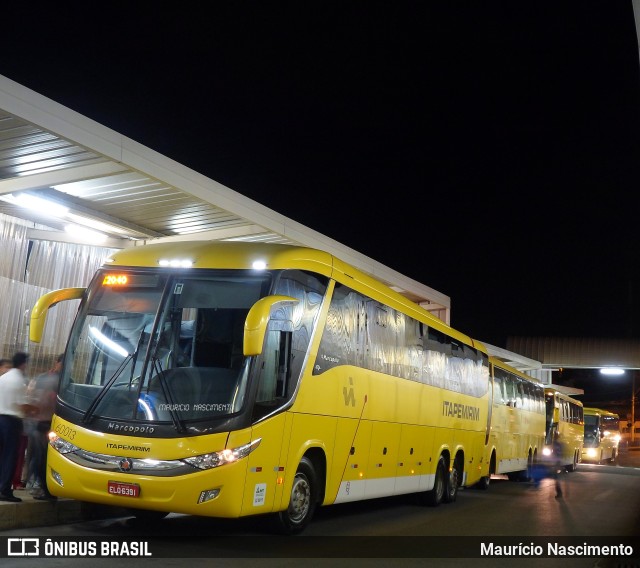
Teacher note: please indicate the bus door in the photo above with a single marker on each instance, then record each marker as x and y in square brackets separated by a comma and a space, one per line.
[274, 388]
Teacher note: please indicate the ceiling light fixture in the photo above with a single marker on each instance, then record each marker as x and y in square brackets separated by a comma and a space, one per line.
[612, 371]
[87, 235]
[34, 203]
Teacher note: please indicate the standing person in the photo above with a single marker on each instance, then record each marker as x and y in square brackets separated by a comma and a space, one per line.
[19, 481]
[13, 405]
[42, 393]
[557, 468]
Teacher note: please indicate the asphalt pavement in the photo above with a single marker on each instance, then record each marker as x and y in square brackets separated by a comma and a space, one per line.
[33, 513]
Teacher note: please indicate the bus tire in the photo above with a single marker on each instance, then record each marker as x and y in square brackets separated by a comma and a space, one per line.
[434, 497]
[485, 481]
[302, 502]
[453, 481]
[574, 464]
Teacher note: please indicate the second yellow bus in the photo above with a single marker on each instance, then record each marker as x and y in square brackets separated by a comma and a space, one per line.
[565, 421]
[517, 423]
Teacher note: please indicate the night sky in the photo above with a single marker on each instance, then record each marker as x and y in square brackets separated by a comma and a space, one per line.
[611, 393]
[491, 153]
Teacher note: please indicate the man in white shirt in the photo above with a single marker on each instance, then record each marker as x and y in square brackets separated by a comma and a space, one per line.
[13, 405]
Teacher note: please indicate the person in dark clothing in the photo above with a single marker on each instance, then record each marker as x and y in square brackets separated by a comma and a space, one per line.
[557, 467]
[42, 393]
[13, 406]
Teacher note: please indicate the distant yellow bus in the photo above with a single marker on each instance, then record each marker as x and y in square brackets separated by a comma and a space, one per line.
[565, 419]
[517, 422]
[601, 435]
[234, 379]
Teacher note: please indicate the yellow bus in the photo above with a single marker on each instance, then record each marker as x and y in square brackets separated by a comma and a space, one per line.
[601, 435]
[517, 423]
[234, 379]
[565, 421]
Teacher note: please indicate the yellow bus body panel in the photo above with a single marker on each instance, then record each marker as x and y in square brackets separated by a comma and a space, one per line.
[375, 454]
[265, 465]
[177, 494]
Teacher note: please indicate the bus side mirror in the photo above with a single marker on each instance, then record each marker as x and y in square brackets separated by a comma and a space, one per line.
[39, 311]
[255, 325]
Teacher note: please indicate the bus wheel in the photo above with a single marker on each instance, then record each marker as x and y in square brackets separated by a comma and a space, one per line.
[453, 481]
[434, 497]
[303, 500]
[485, 481]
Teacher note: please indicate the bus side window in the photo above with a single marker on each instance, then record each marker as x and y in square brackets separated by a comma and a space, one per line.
[498, 395]
[510, 390]
[519, 392]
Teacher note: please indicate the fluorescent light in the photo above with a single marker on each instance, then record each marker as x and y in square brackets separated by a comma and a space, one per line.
[87, 235]
[38, 204]
[53, 209]
[612, 371]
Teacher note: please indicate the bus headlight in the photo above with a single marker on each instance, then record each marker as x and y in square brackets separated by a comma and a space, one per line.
[61, 445]
[216, 459]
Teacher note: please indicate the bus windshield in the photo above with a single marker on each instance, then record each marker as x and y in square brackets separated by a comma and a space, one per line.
[598, 426]
[161, 347]
[591, 430]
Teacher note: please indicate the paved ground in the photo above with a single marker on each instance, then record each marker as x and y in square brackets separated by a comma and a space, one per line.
[33, 513]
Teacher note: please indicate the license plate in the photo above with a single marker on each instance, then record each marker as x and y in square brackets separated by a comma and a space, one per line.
[123, 489]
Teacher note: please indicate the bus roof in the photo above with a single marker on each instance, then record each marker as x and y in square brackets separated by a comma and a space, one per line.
[602, 412]
[242, 256]
[501, 364]
[561, 395]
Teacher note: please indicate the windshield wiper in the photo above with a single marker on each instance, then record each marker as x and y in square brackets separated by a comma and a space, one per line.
[156, 367]
[105, 388]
